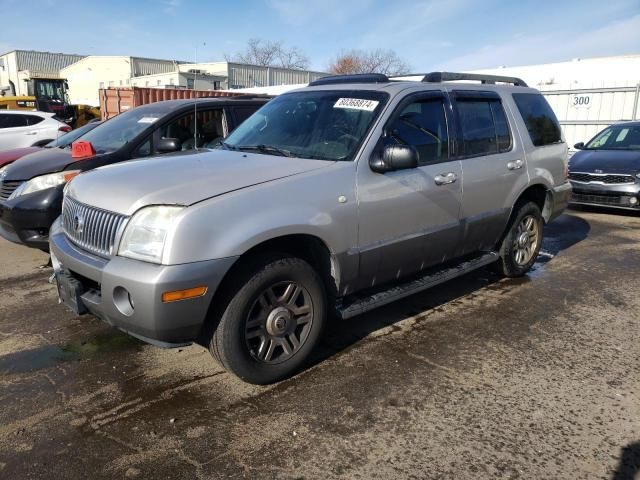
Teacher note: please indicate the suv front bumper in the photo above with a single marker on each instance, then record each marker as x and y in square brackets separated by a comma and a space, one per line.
[127, 293]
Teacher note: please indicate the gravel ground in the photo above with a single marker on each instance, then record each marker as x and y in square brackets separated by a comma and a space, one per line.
[480, 377]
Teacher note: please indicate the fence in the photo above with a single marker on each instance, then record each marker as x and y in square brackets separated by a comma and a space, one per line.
[584, 112]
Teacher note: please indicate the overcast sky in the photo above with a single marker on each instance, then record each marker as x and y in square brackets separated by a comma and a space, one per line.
[428, 34]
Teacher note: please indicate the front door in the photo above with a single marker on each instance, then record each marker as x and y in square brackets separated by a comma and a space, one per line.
[409, 219]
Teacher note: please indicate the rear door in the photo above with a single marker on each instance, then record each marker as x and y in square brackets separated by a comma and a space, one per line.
[409, 219]
[14, 131]
[493, 166]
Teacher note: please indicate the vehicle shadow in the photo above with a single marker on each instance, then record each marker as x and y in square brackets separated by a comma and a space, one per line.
[629, 465]
[560, 235]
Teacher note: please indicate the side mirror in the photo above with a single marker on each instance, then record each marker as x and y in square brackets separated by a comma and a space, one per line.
[167, 145]
[395, 157]
[579, 146]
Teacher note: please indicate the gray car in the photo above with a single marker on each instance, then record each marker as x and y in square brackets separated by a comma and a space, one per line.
[333, 199]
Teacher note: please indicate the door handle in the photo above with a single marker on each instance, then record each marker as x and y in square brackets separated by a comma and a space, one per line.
[515, 165]
[31, 133]
[445, 178]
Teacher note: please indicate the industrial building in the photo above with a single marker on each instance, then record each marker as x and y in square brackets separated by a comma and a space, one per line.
[19, 66]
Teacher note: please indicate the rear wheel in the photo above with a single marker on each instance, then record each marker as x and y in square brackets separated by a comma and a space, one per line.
[273, 318]
[521, 245]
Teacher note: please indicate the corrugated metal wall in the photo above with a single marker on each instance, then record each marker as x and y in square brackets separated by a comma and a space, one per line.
[150, 66]
[583, 113]
[117, 100]
[245, 76]
[44, 61]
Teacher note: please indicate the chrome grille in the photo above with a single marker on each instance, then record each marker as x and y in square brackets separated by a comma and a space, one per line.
[91, 228]
[606, 178]
[7, 188]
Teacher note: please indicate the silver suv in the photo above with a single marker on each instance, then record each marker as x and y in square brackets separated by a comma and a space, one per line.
[336, 198]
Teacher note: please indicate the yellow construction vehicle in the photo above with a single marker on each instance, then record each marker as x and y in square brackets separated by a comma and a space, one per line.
[48, 94]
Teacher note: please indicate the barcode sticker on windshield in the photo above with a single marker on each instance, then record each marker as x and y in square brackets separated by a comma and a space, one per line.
[356, 104]
[147, 119]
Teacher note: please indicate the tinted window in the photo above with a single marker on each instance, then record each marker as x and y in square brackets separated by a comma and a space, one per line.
[422, 124]
[502, 127]
[33, 119]
[485, 129]
[541, 122]
[12, 121]
[478, 129]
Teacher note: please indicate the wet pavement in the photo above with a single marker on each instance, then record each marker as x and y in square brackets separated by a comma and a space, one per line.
[481, 377]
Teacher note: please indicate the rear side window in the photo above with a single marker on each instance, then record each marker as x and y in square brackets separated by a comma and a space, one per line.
[33, 119]
[423, 124]
[540, 120]
[485, 130]
[13, 121]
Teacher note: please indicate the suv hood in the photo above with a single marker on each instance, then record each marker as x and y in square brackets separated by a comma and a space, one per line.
[181, 180]
[609, 161]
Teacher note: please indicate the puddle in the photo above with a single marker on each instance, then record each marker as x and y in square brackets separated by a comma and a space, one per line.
[48, 356]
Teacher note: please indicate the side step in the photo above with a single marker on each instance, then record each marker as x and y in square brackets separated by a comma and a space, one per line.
[358, 304]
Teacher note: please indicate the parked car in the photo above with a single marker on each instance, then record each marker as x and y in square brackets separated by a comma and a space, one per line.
[10, 156]
[19, 128]
[343, 196]
[31, 189]
[606, 171]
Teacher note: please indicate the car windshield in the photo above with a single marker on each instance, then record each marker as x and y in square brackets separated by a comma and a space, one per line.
[617, 137]
[325, 125]
[68, 138]
[121, 129]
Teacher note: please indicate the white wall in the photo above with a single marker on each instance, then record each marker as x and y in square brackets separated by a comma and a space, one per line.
[90, 74]
[10, 72]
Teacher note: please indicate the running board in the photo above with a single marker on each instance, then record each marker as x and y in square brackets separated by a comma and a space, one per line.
[352, 306]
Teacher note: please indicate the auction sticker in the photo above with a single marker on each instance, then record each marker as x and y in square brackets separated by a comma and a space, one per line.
[356, 104]
[147, 119]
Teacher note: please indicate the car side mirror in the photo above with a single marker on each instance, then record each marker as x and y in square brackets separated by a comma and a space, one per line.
[579, 146]
[395, 157]
[167, 145]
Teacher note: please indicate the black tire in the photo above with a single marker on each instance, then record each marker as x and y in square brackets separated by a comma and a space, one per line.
[248, 296]
[511, 264]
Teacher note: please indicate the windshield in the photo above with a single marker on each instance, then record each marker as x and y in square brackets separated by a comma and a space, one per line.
[121, 129]
[326, 125]
[618, 137]
[68, 138]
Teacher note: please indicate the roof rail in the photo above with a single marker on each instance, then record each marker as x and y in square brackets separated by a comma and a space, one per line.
[355, 78]
[437, 77]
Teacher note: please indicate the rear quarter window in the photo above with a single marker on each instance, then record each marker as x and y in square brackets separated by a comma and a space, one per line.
[541, 122]
[33, 119]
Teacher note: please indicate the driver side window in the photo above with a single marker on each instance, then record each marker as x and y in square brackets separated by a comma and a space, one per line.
[422, 124]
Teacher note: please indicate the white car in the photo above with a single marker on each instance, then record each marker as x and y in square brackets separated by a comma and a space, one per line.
[20, 128]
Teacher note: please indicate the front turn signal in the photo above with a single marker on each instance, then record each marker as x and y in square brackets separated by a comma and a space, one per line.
[177, 295]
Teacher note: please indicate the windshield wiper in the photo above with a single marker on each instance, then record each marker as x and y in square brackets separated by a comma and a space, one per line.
[265, 149]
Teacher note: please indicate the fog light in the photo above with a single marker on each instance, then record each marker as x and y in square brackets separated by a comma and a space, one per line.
[123, 301]
[633, 201]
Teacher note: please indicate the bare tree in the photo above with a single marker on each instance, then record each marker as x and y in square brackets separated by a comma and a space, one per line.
[270, 54]
[373, 61]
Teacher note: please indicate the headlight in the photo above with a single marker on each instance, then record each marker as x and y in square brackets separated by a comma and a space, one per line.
[637, 174]
[146, 232]
[2, 169]
[43, 182]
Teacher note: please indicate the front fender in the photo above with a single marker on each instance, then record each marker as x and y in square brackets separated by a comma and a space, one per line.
[233, 223]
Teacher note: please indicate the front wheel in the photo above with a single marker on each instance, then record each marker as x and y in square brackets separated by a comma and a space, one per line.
[272, 321]
[521, 244]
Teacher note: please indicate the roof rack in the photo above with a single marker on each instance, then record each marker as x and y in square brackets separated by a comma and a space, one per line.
[432, 77]
[437, 77]
[355, 78]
